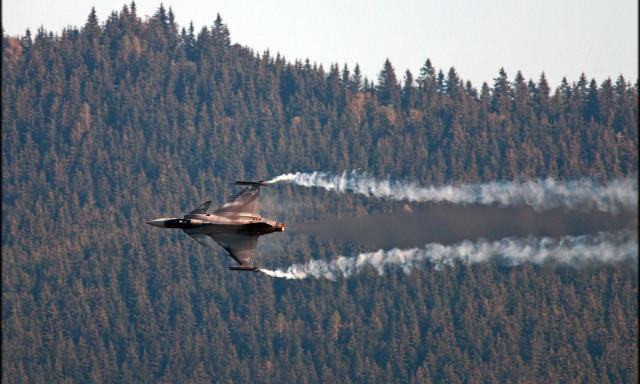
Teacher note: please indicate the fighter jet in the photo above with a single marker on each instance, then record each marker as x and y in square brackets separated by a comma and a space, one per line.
[235, 226]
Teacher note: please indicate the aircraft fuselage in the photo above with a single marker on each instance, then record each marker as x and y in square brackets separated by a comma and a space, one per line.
[212, 224]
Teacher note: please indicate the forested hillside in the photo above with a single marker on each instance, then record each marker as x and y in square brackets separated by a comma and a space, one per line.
[125, 120]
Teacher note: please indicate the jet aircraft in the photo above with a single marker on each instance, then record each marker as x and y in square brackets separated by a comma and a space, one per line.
[235, 226]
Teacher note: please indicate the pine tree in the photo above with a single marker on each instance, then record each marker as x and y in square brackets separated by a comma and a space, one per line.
[592, 105]
[388, 88]
[453, 84]
[92, 29]
[501, 95]
[356, 80]
[409, 92]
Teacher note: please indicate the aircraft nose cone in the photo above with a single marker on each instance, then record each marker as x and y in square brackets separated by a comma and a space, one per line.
[156, 223]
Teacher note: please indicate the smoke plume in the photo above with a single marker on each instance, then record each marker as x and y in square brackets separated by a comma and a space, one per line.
[450, 224]
[540, 194]
[572, 251]
[540, 221]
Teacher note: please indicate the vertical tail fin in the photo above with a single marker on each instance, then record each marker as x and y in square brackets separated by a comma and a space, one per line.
[201, 210]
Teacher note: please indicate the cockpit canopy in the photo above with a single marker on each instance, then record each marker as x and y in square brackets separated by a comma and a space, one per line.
[177, 223]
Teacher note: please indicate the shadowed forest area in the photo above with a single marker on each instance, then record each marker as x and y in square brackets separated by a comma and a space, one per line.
[121, 121]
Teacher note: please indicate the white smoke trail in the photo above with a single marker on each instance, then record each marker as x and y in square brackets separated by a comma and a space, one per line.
[575, 251]
[540, 194]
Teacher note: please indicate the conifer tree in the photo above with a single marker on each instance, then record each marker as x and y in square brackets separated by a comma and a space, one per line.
[356, 81]
[501, 95]
[388, 88]
[408, 92]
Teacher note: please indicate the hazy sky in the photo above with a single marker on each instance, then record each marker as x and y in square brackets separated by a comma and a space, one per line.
[559, 37]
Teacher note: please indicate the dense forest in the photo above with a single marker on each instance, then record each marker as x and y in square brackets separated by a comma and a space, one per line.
[107, 126]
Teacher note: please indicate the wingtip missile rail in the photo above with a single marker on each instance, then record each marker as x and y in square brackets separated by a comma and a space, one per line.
[248, 269]
[260, 183]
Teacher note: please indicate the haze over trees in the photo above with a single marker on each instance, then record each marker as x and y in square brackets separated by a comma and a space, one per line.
[118, 122]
